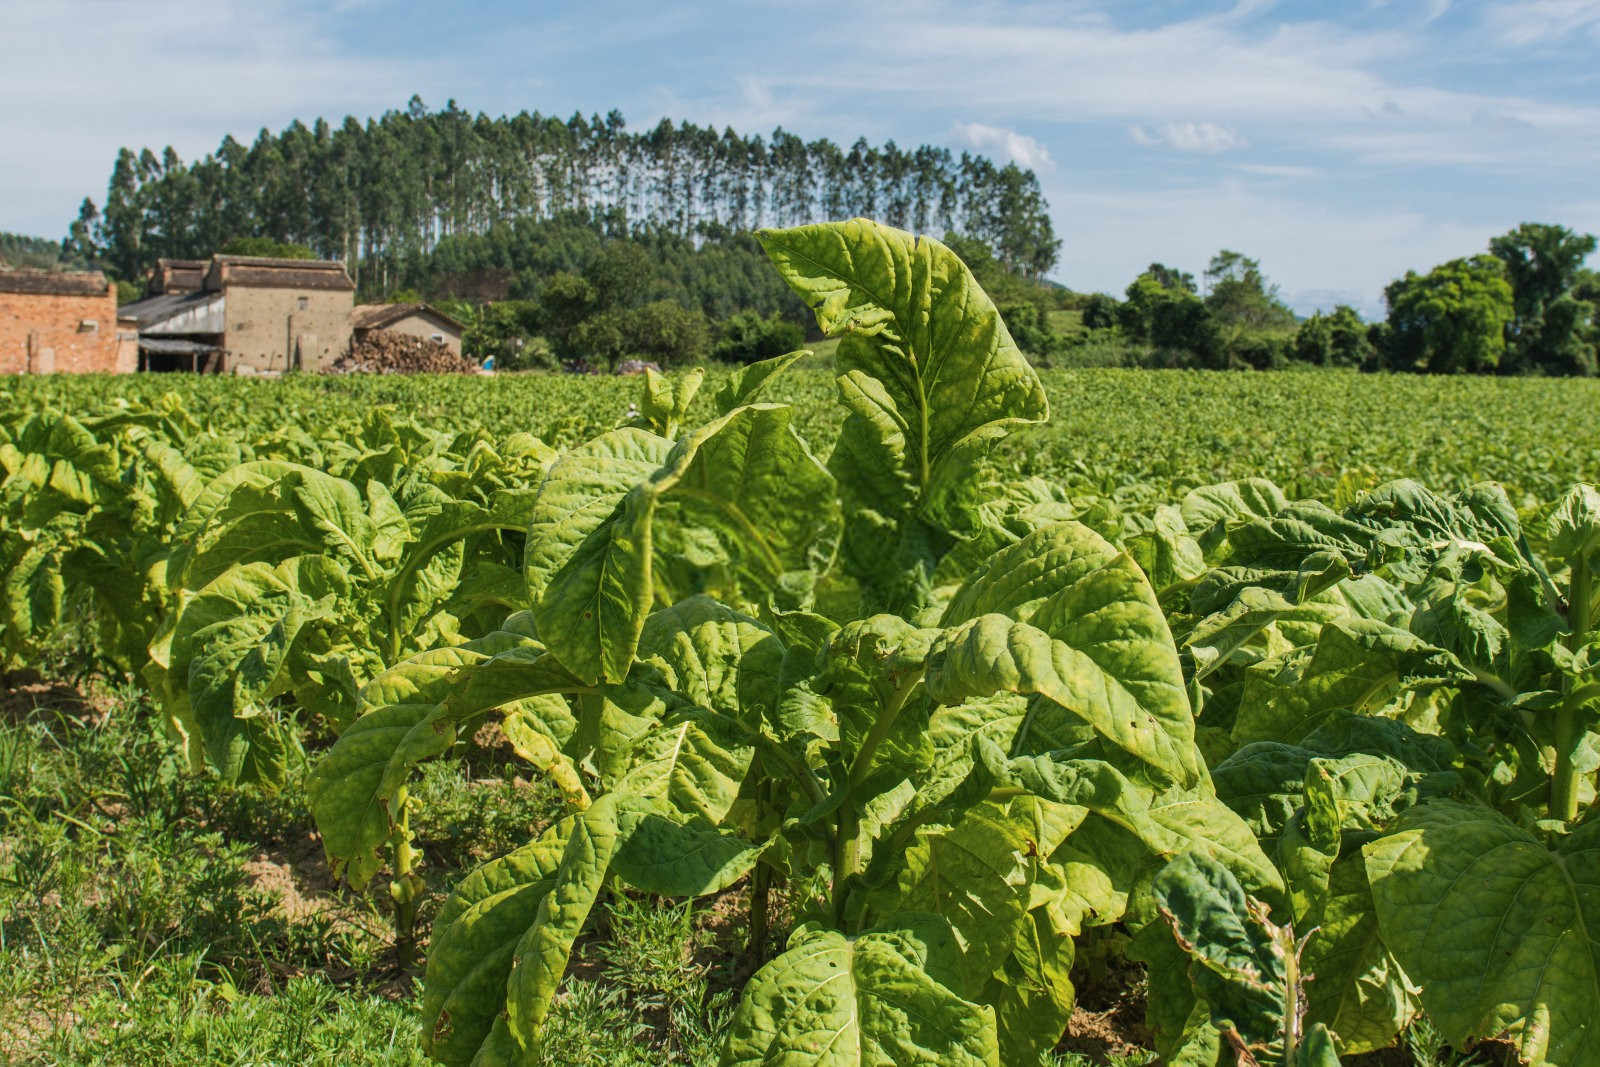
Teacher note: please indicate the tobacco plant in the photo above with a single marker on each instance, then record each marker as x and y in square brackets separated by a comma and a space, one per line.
[953, 722]
[1402, 700]
[288, 579]
[86, 511]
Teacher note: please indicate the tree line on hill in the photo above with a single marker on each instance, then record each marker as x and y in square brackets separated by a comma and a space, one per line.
[388, 194]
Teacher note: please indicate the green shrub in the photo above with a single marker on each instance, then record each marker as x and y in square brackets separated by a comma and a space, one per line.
[747, 338]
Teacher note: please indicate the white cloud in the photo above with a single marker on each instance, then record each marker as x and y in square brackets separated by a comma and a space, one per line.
[1277, 170]
[1538, 21]
[1313, 84]
[93, 77]
[1204, 137]
[1009, 145]
[1436, 9]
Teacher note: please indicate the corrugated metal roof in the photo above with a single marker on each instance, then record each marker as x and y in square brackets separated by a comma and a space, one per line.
[176, 313]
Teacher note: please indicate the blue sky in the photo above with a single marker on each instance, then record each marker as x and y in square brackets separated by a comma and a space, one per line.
[1338, 144]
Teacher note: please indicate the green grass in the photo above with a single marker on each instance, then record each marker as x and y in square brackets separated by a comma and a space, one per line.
[149, 916]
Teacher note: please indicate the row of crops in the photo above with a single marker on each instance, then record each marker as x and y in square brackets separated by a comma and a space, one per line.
[958, 676]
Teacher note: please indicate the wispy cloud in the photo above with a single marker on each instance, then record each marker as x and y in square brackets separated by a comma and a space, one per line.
[1305, 83]
[1008, 145]
[1539, 21]
[1204, 137]
[92, 79]
[1277, 170]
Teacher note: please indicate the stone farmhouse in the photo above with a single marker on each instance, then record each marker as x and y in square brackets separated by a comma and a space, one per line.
[60, 321]
[244, 314]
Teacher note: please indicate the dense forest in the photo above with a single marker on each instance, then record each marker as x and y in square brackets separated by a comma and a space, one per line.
[387, 193]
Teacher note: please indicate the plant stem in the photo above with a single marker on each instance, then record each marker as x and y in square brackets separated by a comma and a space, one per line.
[1291, 994]
[760, 886]
[846, 854]
[846, 846]
[880, 729]
[1569, 729]
[406, 888]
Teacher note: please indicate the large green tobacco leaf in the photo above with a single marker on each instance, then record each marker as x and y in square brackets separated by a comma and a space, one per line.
[1356, 665]
[1237, 966]
[231, 648]
[542, 952]
[239, 516]
[993, 654]
[746, 477]
[474, 940]
[1243, 967]
[1360, 992]
[940, 352]
[1210, 510]
[929, 375]
[751, 380]
[713, 656]
[973, 875]
[1261, 622]
[661, 852]
[1375, 762]
[1574, 525]
[692, 763]
[1167, 822]
[1032, 993]
[580, 491]
[876, 1000]
[1089, 636]
[1499, 930]
[33, 587]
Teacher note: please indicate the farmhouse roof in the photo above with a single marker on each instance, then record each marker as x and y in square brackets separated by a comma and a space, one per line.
[377, 316]
[151, 313]
[268, 273]
[180, 275]
[53, 283]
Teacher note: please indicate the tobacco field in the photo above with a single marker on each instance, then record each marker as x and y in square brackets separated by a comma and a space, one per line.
[898, 704]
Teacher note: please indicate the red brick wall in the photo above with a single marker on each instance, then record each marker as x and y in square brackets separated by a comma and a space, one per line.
[54, 321]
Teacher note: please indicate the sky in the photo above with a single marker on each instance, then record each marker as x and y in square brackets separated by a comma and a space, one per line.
[1338, 144]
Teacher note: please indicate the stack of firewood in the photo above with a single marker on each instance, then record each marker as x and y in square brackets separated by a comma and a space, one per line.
[388, 352]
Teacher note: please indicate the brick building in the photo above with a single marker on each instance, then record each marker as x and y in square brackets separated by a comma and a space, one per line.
[59, 321]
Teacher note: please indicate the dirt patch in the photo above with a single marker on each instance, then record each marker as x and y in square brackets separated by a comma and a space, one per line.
[1109, 1017]
[26, 1025]
[295, 876]
[27, 696]
[1102, 1034]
